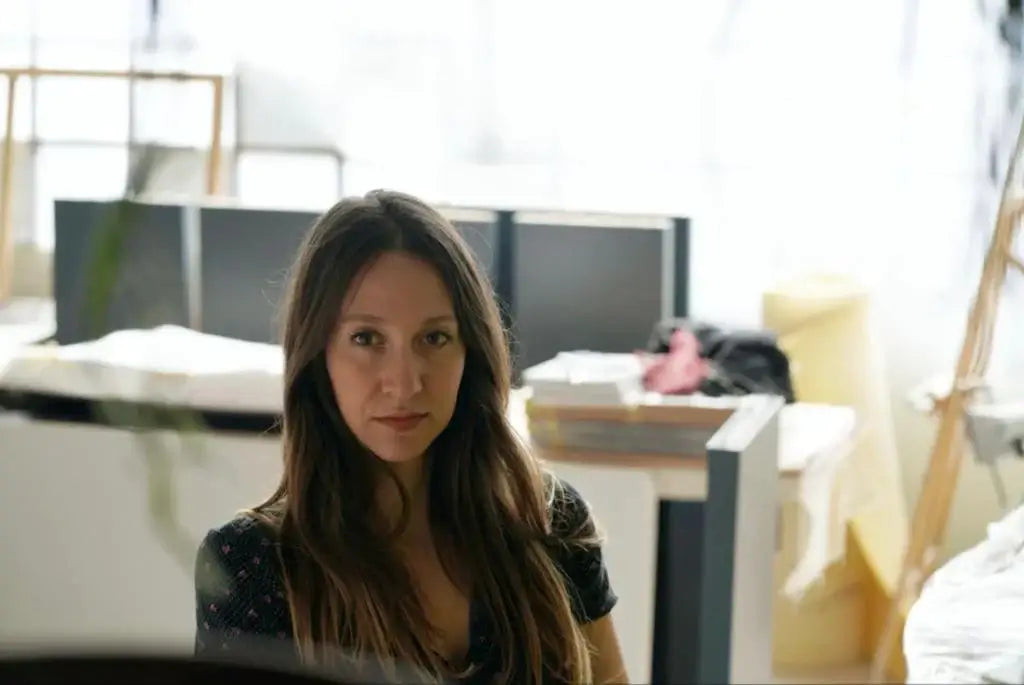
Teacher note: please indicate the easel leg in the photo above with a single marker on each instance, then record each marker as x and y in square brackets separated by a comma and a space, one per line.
[6, 198]
[213, 161]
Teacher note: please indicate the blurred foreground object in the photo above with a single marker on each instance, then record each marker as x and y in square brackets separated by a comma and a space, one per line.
[134, 670]
[932, 511]
[253, 660]
[968, 625]
[824, 325]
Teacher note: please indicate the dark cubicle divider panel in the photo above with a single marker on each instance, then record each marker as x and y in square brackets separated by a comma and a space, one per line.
[244, 259]
[564, 281]
[150, 285]
[478, 228]
[505, 274]
[245, 255]
[679, 274]
[591, 282]
[490, 235]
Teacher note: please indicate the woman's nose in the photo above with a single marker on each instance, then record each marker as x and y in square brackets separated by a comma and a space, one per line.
[402, 374]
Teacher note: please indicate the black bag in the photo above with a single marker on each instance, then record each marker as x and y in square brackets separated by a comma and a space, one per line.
[741, 362]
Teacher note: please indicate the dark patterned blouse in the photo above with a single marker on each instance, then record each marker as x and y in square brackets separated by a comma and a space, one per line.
[250, 608]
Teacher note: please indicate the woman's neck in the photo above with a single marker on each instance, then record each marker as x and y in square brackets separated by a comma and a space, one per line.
[413, 477]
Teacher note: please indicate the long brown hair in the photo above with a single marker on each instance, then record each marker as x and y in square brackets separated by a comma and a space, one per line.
[488, 497]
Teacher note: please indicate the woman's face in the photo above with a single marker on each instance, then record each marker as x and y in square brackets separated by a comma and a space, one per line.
[396, 360]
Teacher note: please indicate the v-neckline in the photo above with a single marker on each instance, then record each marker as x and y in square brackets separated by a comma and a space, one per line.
[479, 632]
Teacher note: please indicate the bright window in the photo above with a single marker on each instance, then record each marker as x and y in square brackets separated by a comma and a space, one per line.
[289, 180]
[74, 171]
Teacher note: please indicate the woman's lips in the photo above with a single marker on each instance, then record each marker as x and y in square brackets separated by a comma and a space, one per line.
[401, 422]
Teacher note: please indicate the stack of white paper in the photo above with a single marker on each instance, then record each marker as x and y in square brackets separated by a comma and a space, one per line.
[164, 365]
[586, 378]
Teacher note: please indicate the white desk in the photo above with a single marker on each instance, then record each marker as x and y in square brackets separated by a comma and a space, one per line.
[83, 563]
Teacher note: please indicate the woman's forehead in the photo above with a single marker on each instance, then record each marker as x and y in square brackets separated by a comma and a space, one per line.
[398, 286]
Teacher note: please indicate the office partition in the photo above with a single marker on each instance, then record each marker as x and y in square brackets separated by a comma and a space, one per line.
[586, 282]
[478, 227]
[117, 265]
[565, 281]
[244, 257]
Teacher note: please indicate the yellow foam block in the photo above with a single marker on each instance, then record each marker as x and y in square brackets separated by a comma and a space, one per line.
[825, 327]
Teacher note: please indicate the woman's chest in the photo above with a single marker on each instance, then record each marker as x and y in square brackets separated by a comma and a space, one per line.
[445, 597]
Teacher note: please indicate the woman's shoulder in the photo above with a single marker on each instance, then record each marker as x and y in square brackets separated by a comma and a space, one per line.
[241, 554]
[570, 514]
[578, 553]
[243, 533]
[239, 588]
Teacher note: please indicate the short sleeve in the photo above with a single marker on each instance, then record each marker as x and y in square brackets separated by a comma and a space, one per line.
[582, 563]
[238, 590]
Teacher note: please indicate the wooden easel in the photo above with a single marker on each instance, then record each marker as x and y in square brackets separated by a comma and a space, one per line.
[931, 513]
[7, 161]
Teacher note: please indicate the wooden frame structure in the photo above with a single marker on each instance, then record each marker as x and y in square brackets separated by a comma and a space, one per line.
[931, 513]
[7, 161]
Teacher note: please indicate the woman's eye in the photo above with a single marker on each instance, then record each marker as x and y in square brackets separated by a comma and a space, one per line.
[364, 338]
[437, 338]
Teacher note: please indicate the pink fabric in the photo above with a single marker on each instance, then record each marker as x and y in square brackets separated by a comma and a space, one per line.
[680, 371]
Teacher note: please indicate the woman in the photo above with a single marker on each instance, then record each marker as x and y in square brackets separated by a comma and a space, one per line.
[409, 525]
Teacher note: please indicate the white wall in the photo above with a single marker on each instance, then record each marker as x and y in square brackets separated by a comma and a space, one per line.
[830, 155]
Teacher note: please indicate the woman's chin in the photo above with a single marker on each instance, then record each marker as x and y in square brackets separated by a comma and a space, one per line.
[399, 452]
[398, 456]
